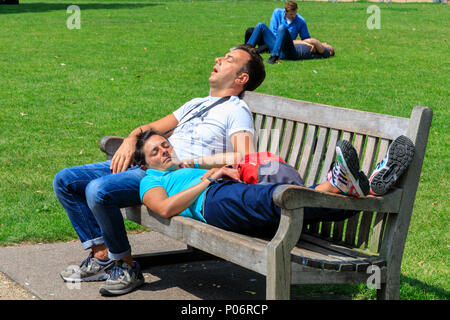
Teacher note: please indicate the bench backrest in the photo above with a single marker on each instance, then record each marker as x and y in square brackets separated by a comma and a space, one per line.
[304, 134]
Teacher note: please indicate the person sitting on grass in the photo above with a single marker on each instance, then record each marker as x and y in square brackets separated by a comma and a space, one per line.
[281, 46]
[286, 18]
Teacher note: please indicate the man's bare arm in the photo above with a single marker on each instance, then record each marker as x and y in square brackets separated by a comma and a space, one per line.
[316, 43]
[123, 156]
[242, 142]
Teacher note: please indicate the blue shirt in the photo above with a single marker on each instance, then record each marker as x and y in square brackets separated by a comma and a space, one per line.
[304, 52]
[296, 27]
[174, 182]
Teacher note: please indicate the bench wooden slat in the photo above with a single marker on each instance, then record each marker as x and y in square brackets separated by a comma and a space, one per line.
[340, 248]
[288, 137]
[326, 230]
[318, 156]
[338, 230]
[275, 137]
[314, 255]
[364, 229]
[307, 151]
[259, 118]
[377, 231]
[384, 146]
[359, 144]
[264, 134]
[350, 232]
[296, 147]
[347, 136]
[330, 154]
[369, 155]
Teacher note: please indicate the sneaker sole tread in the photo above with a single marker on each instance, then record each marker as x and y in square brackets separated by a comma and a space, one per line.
[118, 292]
[400, 155]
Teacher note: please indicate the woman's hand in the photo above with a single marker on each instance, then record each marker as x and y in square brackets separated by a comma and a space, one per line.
[224, 172]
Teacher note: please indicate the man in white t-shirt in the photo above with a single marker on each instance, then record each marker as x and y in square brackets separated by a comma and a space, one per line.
[93, 194]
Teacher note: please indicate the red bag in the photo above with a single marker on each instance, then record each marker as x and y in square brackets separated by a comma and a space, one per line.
[248, 166]
[265, 167]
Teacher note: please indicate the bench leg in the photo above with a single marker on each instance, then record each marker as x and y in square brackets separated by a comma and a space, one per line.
[278, 278]
[390, 290]
[190, 254]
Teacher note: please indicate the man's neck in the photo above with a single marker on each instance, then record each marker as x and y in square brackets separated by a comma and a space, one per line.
[223, 92]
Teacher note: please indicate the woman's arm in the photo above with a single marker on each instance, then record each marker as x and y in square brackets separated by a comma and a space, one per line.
[157, 200]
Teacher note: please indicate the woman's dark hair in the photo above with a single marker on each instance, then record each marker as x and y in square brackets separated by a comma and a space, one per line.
[139, 155]
[254, 67]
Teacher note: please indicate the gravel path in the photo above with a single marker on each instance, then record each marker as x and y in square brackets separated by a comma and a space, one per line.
[10, 290]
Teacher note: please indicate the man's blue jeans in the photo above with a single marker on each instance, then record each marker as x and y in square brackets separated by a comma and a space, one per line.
[280, 45]
[92, 197]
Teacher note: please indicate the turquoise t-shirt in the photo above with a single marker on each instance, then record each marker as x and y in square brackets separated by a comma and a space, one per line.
[175, 182]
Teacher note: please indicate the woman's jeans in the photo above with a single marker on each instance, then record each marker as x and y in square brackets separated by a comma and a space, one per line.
[92, 197]
[280, 45]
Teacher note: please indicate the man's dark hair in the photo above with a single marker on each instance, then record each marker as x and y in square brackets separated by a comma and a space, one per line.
[139, 155]
[254, 67]
[291, 6]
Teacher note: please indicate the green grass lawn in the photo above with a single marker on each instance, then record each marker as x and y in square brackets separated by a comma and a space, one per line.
[133, 62]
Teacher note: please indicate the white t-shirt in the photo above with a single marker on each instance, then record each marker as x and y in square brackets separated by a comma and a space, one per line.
[210, 133]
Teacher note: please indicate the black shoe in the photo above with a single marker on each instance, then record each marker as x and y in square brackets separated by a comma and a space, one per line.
[272, 59]
[262, 49]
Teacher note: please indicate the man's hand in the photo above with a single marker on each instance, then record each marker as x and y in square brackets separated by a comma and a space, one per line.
[123, 156]
[311, 47]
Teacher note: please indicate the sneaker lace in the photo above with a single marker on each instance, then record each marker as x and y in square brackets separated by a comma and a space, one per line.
[87, 260]
[115, 272]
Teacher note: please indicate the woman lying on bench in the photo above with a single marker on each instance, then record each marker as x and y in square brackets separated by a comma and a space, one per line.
[217, 196]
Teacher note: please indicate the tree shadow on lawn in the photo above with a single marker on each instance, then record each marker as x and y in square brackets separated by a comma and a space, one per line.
[45, 7]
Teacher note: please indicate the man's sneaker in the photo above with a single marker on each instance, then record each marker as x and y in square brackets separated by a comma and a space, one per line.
[91, 269]
[397, 159]
[345, 173]
[272, 59]
[122, 279]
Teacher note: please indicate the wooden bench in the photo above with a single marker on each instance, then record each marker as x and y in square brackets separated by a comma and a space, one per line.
[305, 135]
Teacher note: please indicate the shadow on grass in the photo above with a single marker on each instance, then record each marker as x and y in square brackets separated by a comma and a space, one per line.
[438, 292]
[45, 7]
[360, 291]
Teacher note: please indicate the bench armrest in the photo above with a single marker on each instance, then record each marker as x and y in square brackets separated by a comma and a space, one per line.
[291, 197]
[110, 144]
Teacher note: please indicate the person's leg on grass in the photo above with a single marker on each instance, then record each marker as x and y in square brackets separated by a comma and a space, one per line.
[283, 47]
[262, 33]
